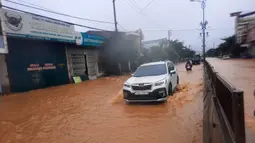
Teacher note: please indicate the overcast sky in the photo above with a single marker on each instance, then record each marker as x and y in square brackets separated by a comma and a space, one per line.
[180, 16]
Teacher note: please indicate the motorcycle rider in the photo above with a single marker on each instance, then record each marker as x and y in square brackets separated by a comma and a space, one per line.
[188, 64]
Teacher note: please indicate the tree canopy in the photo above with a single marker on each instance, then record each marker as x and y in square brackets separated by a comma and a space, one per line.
[227, 47]
[119, 54]
[173, 50]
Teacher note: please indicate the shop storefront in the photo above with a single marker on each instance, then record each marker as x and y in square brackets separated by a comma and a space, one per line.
[44, 52]
[83, 60]
[34, 64]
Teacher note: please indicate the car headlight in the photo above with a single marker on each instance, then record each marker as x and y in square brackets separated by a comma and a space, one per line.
[127, 85]
[160, 82]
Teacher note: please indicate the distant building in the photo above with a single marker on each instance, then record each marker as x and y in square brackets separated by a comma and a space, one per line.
[121, 43]
[151, 43]
[135, 37]
[245, 30]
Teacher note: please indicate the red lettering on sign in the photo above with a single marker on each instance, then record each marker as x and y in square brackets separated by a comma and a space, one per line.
[34, 65]
[34, 69]
[48, 64]
[49, 68]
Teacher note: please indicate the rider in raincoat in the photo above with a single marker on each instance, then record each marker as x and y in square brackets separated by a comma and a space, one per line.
[188, 64]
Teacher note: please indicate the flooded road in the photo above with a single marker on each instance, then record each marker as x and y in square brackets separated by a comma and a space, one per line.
[94, 112]
[240, 73]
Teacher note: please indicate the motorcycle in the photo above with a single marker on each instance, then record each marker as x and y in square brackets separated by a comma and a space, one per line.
[188, 67]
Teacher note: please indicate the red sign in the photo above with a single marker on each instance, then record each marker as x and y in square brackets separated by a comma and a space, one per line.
[37, 67]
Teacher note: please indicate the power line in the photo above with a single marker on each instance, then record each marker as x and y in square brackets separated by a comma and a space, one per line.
[133, 7]
[138, 7]
[185, 29]
[171, 29]
[89, 27]
[139, 11]
[150, 2]
[32, 4]
[147, 5]
[50, 11]
[122, 27]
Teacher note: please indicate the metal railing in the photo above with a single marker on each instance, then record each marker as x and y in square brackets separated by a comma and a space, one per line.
[223, 109]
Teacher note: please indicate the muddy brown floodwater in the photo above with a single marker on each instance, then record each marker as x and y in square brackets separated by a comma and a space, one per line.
[241, 73]
[94, 112]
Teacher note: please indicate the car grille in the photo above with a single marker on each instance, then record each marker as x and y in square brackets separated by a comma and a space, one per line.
[144, 87]
[154, 95]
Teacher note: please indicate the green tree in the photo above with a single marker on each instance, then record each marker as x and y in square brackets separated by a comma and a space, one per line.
[211, 53]
[229, 46]
[167, 50]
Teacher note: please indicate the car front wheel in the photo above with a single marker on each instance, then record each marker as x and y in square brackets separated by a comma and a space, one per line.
[170, 92]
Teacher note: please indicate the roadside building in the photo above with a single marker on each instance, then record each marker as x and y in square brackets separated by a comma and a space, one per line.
[44, 52]
[251, 39]
[121, 51]
[152, 43]
[84, 60]
[244, 29]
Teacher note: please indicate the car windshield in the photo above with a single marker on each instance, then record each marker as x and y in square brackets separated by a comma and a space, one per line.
[196, 58]
[151, 70]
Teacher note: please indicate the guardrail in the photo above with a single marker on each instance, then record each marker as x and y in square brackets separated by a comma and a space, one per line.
[223, 109]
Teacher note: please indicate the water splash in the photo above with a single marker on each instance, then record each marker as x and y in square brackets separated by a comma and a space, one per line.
[184, 93]
[181, 94]
[117, 98]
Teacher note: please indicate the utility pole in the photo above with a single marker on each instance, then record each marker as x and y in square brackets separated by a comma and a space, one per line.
[169, 34]
[203, 24]
[115, 19]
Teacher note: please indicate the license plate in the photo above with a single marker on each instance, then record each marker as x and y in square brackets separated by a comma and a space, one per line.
[142, 93]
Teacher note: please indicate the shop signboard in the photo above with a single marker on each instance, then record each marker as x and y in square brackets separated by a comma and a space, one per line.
[77, 79]
[33, 26]
[91, 40]
[27, 25]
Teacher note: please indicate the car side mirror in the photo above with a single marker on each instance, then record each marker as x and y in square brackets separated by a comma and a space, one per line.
[172, 72]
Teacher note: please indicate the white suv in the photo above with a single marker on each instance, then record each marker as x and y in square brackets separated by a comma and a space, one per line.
[151, 82]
